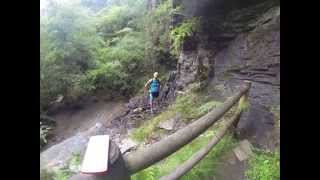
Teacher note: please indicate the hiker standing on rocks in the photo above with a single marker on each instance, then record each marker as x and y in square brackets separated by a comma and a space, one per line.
[154, 90]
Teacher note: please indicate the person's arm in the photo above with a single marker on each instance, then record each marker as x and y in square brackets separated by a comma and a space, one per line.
[147, 85]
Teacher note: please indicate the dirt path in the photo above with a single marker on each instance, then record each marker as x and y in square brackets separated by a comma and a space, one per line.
[230, 168]
[70, 122]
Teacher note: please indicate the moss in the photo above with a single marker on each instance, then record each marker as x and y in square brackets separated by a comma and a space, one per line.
[243, 104]
[145, 131]
[276, 112]
[189, 106]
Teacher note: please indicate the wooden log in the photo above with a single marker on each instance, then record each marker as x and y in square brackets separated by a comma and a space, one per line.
[144, 158]
[198, 156]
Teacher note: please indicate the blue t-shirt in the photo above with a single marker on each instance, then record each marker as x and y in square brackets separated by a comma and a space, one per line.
[154, 86]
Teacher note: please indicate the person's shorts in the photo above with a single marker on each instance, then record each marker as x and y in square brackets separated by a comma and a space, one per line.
[154, 95]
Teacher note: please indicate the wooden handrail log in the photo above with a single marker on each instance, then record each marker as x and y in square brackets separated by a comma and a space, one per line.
[144, 158]
[198, 156]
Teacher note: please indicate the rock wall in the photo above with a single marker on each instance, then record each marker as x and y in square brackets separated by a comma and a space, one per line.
[236, 42]
[255, 56]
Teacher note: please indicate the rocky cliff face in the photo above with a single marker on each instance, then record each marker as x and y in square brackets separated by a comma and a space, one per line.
[236, 42]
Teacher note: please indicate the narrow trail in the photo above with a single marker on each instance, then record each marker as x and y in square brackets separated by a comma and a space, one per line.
[75, 126]
[70, 122]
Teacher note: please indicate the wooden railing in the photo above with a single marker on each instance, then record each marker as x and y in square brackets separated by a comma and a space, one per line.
[143, 158]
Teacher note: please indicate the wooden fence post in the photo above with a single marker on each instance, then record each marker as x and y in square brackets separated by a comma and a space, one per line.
[243, 103]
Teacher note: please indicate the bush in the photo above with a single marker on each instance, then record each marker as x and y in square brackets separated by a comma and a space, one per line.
[82, 51]
[180, 33]
[157, 30]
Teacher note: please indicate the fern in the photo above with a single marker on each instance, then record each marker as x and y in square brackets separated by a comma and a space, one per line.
[181, 33]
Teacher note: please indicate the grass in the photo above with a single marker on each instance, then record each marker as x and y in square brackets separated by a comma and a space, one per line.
[191, 105]
[203, 170]
[187, 107]
[145, 131]
[207, 107]
[264, 166]
[64, 173]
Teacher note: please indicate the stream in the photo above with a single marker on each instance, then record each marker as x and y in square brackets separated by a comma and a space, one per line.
[69, 122]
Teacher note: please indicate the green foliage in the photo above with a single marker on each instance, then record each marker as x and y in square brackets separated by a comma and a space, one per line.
[82, 52]
[44, 131]
[113, 19]
[157, 29]
[203, 170]
[193, 105]
[207, 107]
[46, 175]
[180, 33]
[68, 44]
[64, 173]
[188, 106]
[264, 166]
[76, 159]
[145, 131]
[243, 104]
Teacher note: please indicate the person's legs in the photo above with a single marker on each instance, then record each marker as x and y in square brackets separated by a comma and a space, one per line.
[155, 96]
[151, 102]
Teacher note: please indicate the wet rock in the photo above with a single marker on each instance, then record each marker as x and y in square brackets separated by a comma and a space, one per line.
[254, 56]
[168, 125]
[138, 102]
[195, 65]
[137, 110]
[257, 125]
[59, 99]
[167, 93]
[74, 168]
[243, 150]
[127, 145]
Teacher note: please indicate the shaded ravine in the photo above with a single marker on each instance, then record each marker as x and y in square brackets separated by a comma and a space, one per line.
[76, 126]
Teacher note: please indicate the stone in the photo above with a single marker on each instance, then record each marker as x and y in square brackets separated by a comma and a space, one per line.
[74, 168]
[246, 147]
[59, 99]
[138, 110]
[243, 150]
[240, 154]
[168, 125]
[126, 145]
[181, 92]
